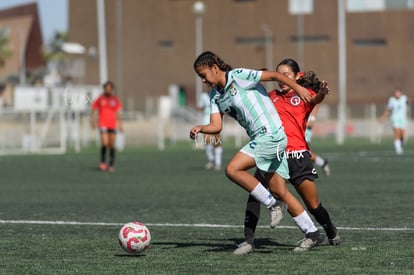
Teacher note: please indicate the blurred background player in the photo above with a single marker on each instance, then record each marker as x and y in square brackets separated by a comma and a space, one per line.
[109, 108]
[316, 159]
[397, 109]
[212, 143]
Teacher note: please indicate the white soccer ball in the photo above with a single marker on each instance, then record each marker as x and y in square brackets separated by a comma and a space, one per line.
[134, 237]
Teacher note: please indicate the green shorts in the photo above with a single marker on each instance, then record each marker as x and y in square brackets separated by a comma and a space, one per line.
[400, 123]
[268, 152]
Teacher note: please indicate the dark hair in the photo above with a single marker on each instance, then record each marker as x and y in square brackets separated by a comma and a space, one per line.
[209, 59]
[307, 79]
[110, 83]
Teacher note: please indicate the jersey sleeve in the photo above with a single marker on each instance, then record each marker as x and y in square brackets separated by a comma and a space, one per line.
[246, 78]
[95, 104]
[118, 104]
[214, 108]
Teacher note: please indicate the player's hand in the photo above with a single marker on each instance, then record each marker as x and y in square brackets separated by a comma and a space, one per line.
[93, 124]
[324, 88]
[194, 131]
[304, 94]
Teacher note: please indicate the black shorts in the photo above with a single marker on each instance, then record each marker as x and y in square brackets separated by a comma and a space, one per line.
[301, 168]
[107, 130]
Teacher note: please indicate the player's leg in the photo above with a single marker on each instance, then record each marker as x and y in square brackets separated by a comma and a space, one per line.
[237, 171]
[209, 151]
[218, 152]
[104, 146]
[398, 135]
[111, 146]
[313, 236]
[308, 192]
[251, 219]
[321, 162]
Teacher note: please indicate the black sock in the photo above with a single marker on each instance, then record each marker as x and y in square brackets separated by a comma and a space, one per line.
[251, 219]
[103, 154]
[322, 216]
[111, 156]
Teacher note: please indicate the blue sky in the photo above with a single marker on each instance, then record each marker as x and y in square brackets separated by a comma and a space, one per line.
[53, 14]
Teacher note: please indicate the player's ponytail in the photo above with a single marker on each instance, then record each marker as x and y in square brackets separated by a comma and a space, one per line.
[310, 81]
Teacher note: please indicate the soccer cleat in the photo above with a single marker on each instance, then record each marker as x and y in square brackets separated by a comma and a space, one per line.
[111, 169]
[102, 166]
[244, 248]
[310, 241]
[276, 213]
[326, 169]
[209, 165]
[335, 241]
[217, 167]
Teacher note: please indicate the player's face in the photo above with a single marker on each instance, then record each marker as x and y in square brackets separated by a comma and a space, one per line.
[208, 75]
[287, 71]
[108, 89]
[397, 93]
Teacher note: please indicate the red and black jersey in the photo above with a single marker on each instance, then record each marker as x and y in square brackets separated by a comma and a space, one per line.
[107, 107]
[294, 114]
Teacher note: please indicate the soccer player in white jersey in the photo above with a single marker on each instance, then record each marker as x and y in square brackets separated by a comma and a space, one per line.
[397, 109]
[213, 148]
[239, 94]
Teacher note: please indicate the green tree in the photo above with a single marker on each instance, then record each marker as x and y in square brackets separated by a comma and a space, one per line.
[55, 53]
[5, 52]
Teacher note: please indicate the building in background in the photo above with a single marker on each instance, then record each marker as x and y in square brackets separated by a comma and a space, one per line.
[21, 26]
[151, 44]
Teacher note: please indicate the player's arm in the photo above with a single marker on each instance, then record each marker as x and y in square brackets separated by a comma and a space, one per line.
[303, 93]
[119, 121]
[213, 128]
[385, 115]
[93, 118]
[323, 91]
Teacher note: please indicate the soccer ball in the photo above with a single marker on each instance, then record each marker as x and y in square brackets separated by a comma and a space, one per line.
[134, 237]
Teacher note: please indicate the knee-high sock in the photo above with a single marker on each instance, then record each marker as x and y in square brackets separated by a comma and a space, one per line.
[251, 218]
[322, 217]
[111, 156]
[218, 152]
[103, 154]
[209, 152]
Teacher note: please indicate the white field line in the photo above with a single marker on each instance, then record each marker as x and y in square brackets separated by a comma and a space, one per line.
[201, 225]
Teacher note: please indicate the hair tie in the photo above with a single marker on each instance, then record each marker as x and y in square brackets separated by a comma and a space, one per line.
[301, 74]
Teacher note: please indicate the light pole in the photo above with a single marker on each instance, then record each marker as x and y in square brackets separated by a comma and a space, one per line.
[103, 67]
[198, 9]
[340, 135]
[268, 52]
[22, 71]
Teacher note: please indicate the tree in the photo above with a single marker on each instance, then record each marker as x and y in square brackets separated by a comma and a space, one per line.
[55, 53]
[5, 51]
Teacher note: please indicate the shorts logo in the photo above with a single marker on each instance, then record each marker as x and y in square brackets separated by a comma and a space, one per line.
[314, 171]
[295, 100]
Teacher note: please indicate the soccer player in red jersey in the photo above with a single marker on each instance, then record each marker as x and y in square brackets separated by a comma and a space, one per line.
[294, 114]
[109, 108]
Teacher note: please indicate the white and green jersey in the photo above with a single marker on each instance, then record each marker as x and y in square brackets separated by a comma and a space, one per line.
[246, 100]
[398, 107]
